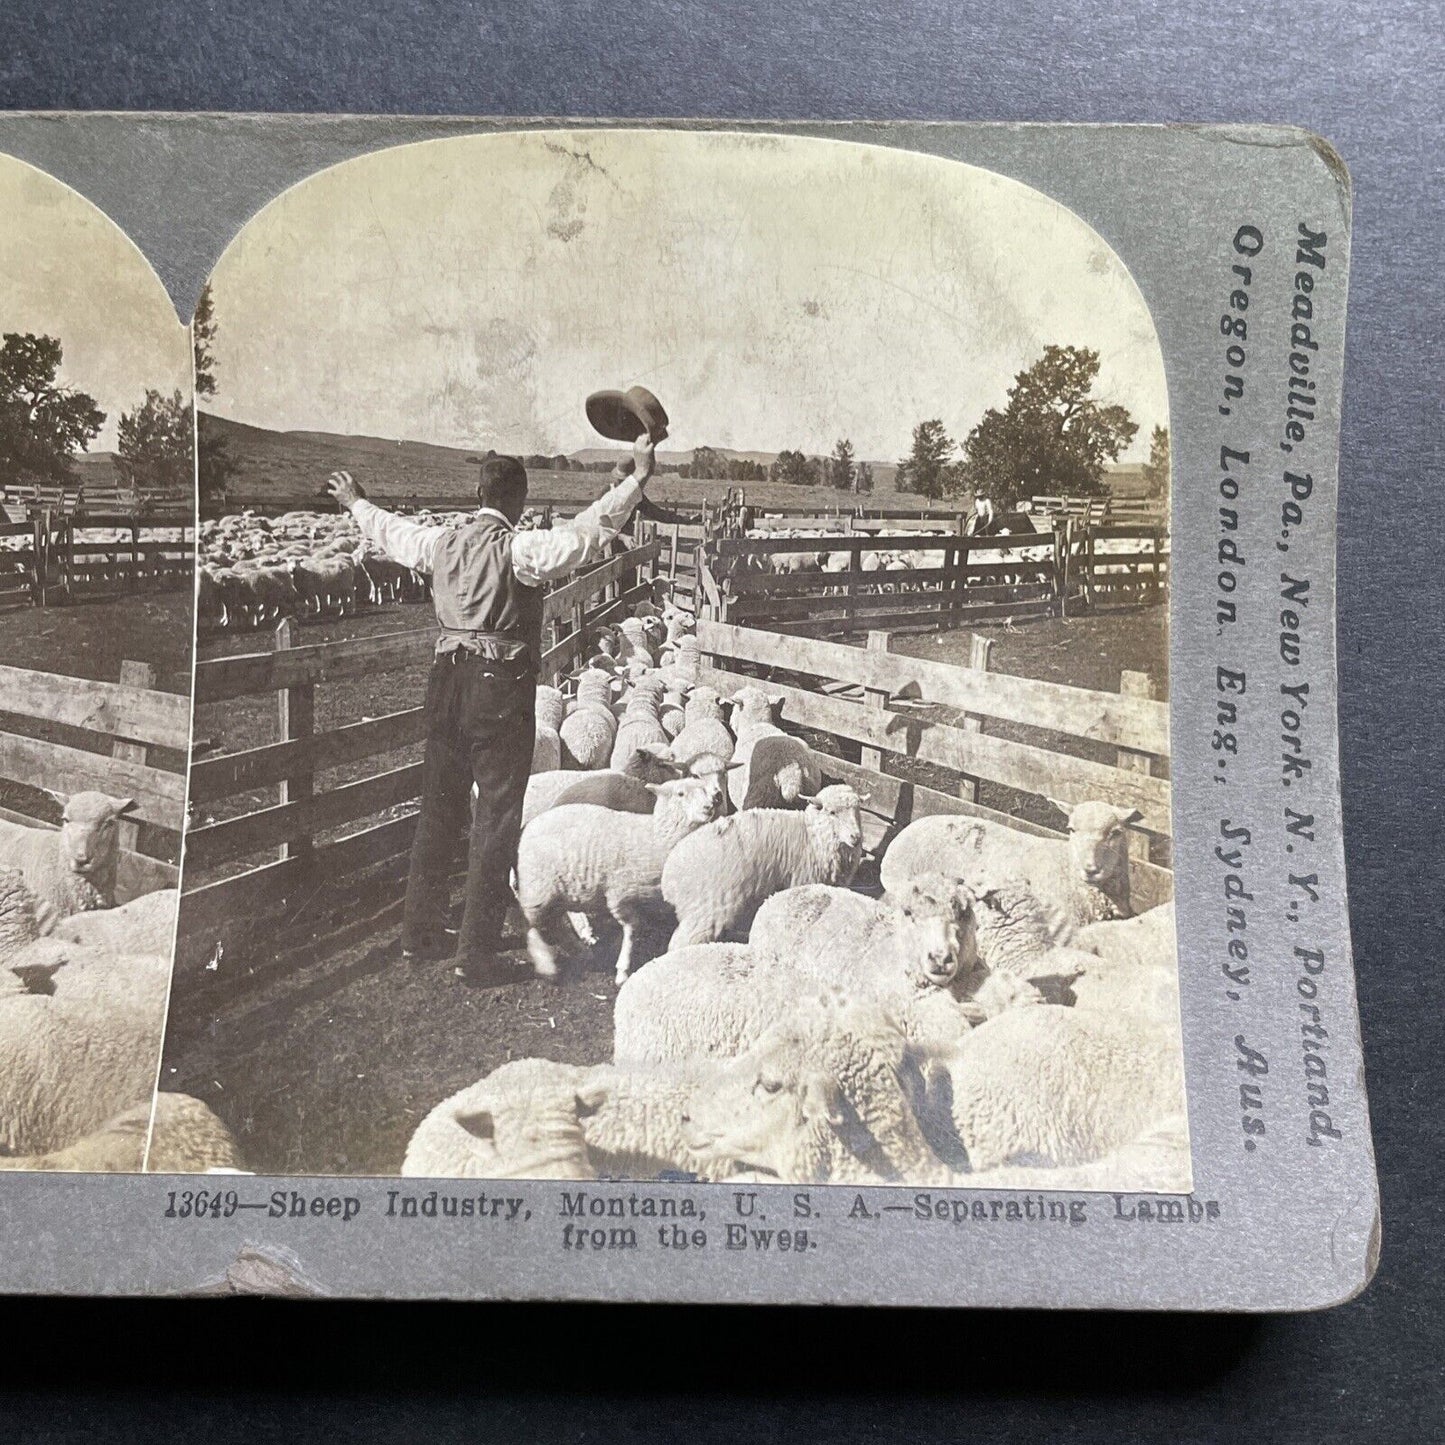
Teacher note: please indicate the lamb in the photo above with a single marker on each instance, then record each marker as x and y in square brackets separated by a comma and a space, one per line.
[752, 720]
[71, 1064]
[589, 731]
[583, 858]
[716, 879]
[146, 924]
[1080, 879]
[18, 924]
[72, 869]
[185, 1138]
[641, 721]
[1050, 1086]
[916, 960]
[649, 764]
[703, 730]
[1135, 970]
[628, 793]
[827, 1095]
[536, 1119]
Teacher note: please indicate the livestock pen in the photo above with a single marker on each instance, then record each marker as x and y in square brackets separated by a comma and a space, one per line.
[65, 735]
[274, 823]
[848, 583]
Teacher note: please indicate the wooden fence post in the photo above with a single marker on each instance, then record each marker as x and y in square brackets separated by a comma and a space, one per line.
[1063, 544]
[296, 718]
[134, 557]
[142, 675]
[876, 698]
[850, 606]
[980, 652]
[672, 553]
[1136, 684]
[40, 560]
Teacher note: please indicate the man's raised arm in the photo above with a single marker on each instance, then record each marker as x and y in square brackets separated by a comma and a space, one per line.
[413, 544]
[547, 553]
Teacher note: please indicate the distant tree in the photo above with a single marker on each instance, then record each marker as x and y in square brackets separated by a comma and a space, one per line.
[203, 341]
[863, 478]
[43, 425]
[1052, 437]
[155, 444]
[709, 465]
[1156, 469]
[793, 469]
[841, 470]
[926, 469]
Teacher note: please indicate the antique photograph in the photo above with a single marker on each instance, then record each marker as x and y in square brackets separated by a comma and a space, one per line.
[682, 677]
[97, 514]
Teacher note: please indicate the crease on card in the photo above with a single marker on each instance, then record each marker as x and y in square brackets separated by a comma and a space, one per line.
[267, 1269]
[1288, 137]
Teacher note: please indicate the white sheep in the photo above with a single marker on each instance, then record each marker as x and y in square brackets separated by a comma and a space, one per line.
[70, 869]
[146, 924]
[827, 1095]
[1051, 1086]
[703, 730]
[551, 710]
[184, 1136]
[716, 879]
[68, 1065]
[533, 1118]
[18, 925]
[650, 764]
[1079, 879]
[588, 732]
[785, 771]
[1134, 968]
[641, 722]
[87, 972]
[586, 859]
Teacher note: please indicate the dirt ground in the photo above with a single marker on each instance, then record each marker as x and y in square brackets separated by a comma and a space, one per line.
[327, 1057]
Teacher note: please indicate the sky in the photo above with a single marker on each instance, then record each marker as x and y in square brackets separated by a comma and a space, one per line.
[67, 270]
[772, 291]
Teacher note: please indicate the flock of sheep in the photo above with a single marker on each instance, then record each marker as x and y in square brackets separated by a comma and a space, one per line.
[83, 985]
[998, 1016]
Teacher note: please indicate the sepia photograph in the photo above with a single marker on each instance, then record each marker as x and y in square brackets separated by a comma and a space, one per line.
[682, 682]
[97, 515]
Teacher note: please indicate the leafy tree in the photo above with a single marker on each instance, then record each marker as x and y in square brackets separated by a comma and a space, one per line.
[792, 468]
[560, 463]
[43, 425]
[1156, 469]
[841, 470]
[203, 340]
[155, 444]
[863, 478]
[1052, 437]
[709, 464]
[926, 469]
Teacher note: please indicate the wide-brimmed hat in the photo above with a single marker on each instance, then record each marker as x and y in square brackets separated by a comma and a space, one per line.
[623, 416]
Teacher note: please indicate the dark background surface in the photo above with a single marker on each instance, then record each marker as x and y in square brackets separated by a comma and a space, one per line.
[1371, 79]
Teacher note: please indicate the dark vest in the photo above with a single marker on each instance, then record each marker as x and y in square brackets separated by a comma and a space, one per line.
[476, 591]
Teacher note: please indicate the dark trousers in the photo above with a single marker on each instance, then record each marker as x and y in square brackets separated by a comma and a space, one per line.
[481, 723]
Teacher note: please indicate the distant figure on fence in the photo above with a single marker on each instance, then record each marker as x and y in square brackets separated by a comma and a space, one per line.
[985, 521]
[487, 580]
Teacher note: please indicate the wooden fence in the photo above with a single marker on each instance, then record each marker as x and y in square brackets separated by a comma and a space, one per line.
[955, 579]
[120, 725]
[918, 737]
[61, 559]
[297, 830]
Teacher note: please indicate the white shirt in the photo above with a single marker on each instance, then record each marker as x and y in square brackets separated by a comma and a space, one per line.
[538, 556]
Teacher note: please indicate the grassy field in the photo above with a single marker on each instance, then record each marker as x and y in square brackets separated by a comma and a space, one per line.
[273, 468]
[328, 1057]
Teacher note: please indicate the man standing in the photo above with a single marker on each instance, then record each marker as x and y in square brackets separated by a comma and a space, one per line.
[487, 581]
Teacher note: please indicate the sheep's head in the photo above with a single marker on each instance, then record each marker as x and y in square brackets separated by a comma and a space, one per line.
[753, 705]
[840, 805]
[535, 1134]
[653, 763]
[712, 770]
[89, 829]
[937, 931]
[684, 804]
[1099, 842]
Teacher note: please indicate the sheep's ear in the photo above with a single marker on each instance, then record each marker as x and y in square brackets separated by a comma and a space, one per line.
[776, 699]
[478, 1124]
[124, 805]
[591, 1097]
[655, 788]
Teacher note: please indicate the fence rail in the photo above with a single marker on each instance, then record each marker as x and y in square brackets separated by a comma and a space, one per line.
[947, 582]
[298, 823]
[127, 720]
[884, 713]
[61, 558]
